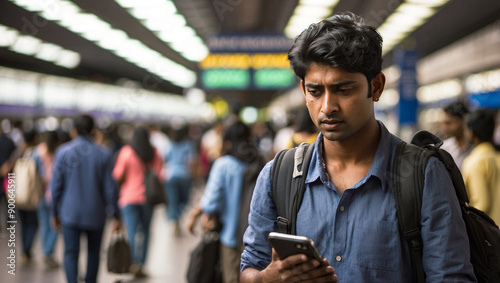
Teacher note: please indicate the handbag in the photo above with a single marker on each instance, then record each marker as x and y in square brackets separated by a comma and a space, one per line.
[119, 256]
[155, 194]
[204, 264]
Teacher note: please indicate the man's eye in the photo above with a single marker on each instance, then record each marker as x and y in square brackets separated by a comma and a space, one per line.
[314, 92]
[344, 90]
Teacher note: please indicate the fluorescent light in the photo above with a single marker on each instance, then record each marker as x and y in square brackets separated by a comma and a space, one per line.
[146, 12]
[68, 59]
[313, 11]
[419, 11]
[48, 52]
[32, 46]
[114, 40]
[161, 17]
[410, 15]
[26, 44]
[324, 3]
[428, 3]
[306, 13]
[7, 36]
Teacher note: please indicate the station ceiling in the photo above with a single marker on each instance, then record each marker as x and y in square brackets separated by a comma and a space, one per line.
[452, 21]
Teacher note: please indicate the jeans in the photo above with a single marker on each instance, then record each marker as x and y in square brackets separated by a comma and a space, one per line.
[137, 218]
[178, 190]
[29, 226]
[72, 250]
[47, 234]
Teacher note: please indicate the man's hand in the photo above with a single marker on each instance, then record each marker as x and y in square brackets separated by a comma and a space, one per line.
[56, 223]
[296, 268]
[116, 225]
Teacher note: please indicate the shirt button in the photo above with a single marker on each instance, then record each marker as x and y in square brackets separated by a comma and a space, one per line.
[342, 208]
[338, 258]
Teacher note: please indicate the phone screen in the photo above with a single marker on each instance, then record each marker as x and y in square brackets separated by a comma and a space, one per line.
[287, 245]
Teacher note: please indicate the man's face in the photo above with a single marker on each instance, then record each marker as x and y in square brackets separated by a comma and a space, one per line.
[338, 101]
[452, 126]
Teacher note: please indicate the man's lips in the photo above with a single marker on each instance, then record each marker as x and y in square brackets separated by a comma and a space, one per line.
[331, 121]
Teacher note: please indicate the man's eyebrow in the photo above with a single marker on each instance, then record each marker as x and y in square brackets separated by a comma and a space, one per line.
[338, 84]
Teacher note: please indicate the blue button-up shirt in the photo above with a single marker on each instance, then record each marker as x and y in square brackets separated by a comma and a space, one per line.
[357, 231]
[82, 187]
[222, 195]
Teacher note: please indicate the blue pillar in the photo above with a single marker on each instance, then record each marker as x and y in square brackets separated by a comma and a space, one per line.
[406, 60]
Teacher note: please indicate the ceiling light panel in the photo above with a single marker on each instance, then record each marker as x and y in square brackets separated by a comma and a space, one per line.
[32, 46]
[92, 28]
[163, 19]
[409, 16]
[306, 13]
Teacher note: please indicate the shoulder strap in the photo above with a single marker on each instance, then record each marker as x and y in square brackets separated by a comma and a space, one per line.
[288, 184]
[409, 174]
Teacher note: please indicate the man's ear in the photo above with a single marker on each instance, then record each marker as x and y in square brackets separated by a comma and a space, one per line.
[303, 87]
[378, 84]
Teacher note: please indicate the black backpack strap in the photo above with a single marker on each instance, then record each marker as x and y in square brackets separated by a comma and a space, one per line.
[409, 173]
[288, 184]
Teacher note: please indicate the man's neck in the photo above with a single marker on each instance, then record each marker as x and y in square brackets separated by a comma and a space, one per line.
[358, 148]
[462, 142]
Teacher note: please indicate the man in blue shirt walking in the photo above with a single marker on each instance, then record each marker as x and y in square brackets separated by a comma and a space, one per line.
[349, 209]
[82, 191]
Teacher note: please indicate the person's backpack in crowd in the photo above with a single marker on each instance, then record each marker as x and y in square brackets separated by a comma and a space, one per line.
[29, 184]
[290, 168]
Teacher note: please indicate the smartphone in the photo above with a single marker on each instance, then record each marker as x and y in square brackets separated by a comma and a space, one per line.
[287, 245]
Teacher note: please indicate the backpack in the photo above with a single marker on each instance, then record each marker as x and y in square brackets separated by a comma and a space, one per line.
[29, 184]
[410, 162]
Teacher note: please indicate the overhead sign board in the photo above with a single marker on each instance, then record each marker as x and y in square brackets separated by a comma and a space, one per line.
[247, 62]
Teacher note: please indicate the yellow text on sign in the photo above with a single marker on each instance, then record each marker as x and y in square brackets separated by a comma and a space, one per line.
[245, 61]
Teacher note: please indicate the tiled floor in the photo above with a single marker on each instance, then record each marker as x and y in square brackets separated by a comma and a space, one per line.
[167, 260]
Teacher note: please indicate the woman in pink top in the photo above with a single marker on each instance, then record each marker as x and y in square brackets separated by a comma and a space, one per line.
[129, 172]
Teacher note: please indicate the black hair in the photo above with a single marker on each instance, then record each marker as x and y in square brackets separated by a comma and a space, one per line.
[30, 137]
[84, 124]
[179, 134]
[482, 123]
[456, 109]
[141, 144]
[341, 41]
[51, 138]
[240, 137]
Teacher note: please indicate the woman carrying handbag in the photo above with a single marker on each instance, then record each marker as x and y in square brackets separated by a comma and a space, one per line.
[129, 172]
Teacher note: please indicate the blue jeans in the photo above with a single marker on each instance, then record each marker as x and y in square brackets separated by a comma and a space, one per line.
[137, 218]
[47, 234]
[178, 190]
[29, 226]
[72, 251]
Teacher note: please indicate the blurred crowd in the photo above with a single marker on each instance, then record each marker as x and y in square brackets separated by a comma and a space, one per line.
[214, 156]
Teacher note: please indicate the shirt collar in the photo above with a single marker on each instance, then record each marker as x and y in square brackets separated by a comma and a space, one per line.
[381, 167]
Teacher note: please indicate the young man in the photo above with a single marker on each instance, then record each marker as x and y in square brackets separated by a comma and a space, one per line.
[481, 169]
[453, 127]
[82, 191]
[349, 209]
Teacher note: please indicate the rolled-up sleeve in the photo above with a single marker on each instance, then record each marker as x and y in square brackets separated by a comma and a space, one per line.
[446, 253]
[261, 221]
